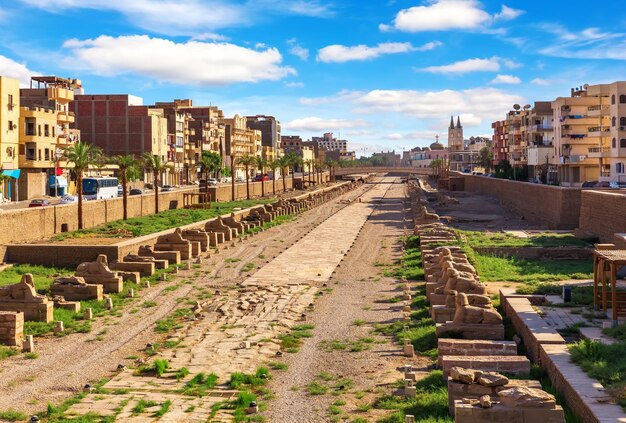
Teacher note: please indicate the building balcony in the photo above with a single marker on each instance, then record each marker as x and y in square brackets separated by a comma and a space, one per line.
[65, 117]
[30, 163]
[542, 128]
[579, 120]
[596, 111]
[599, 152]
[598, 131]
[61, 95]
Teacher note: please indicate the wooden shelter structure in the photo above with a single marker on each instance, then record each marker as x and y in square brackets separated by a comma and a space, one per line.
[606, 263]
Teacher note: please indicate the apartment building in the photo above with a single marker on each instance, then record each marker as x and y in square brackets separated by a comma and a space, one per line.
[269, 127]
[329, 143]
[239, 141]
[610, 131]
[44, 133]
[538, 135]
[500, 144]
[120, 124]
[9, 135]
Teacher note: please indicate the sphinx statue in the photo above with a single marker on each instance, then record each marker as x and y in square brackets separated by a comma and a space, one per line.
[466, 313]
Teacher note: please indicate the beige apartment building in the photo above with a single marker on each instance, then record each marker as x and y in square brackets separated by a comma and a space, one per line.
[44, 133]
[578, 127]
[240, 141]
[9, 135]
[610, 129]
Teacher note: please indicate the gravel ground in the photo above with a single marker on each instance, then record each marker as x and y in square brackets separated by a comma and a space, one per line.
[358, 294]
[65, 364]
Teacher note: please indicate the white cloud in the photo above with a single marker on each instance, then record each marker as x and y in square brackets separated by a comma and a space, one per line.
[508, 13]
[192, 62]
[476, 106]
[317, 124]
[341, 96]
[440, 15]
[429, 46]
[187, 17]
[540, 81]
[13, 69]
[506, 79]
[589, 43]
[492, 64]
[339, 54]
[294, 84]
[209, 36]
[465, 66]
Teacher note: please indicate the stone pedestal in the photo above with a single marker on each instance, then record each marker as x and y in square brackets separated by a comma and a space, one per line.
[11, 328]
[22, 297]
[474, 413]
[172, 257]
[508, 364]
[442, 313]
[474, 348]
[470, 331]
[109, 285]
[196, 235]
[143, 268]
[458, 390]
[76, 289]
[60, 302]
[184, 250]
[438, 299]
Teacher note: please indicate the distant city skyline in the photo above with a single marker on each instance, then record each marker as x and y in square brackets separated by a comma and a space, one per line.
[386, 75]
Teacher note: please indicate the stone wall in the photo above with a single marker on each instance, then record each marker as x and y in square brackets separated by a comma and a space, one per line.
[530, 200]
[32, 224]
[602, 214]
[11, 328]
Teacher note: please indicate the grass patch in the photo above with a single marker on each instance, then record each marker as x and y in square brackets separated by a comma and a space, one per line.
[291, 341]
[248, 267]
[141, 406]
[581, 295]
[200, 384]
[316, 388]
[42, 275]
[607, 363]
[6, 352]
[167, 219]
[259, 378]
[410, 265]
[501, 239]
[430, 404]
[13, 416]
[278, 365]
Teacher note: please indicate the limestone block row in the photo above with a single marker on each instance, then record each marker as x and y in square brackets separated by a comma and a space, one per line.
[516, 365]
[472, 348]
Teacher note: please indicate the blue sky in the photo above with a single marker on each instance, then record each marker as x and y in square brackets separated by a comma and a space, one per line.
[383, 74]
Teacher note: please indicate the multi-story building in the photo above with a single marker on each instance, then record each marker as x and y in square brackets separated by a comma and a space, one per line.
[207, 129]
[389, 158]
[185, 154]
[423, 157]
[329, 143]
[460, 158]
[9, 135]
[575, 132]
[120, 124]
[44, 134]
[500, 144]
[239, 141]
[610, 112]
[455, 135]
[269, 127]
[537, 129]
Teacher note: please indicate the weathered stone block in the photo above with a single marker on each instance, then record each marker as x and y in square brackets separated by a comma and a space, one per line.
[11, 328]
[143, 268]
[470, 331]
[464, 347]
[76, 289]
[458, 390]
[518, 365]
[470, 413]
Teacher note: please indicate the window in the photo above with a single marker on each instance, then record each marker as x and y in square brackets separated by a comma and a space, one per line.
[46, 130]
[619, 167]
[10, 125]
[613, 99]
[622, 121]
[613, 121]
[613, 143]
[622, 99]
[622, 143]
[47, 154]
[39, 130]
[10, 102]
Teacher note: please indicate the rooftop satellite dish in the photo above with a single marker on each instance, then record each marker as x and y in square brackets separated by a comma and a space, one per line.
[586, 86]
[516, 106]
[526, 107]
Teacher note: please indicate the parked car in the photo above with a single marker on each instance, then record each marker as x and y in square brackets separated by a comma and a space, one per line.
[135, 191]
[589, 184]
[603, 184]
[212, 182]
[260, 177]
[240, 179]
[166, 188]
[39, 202]
[120, 190]
[68, 199]
[227, 179]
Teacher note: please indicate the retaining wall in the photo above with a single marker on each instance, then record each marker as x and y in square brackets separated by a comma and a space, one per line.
[550, 206]
[602, 214]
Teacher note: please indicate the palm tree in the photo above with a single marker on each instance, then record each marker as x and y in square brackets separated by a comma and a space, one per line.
[127, 163]
[247, 161]
[331, 164]
[261, 162]
[320, 169]
[308, 163]
[283, 163]
[293, 159]
[156, 165]
[209, 162]
[274, 164]
[82, 155]
[233, 172]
